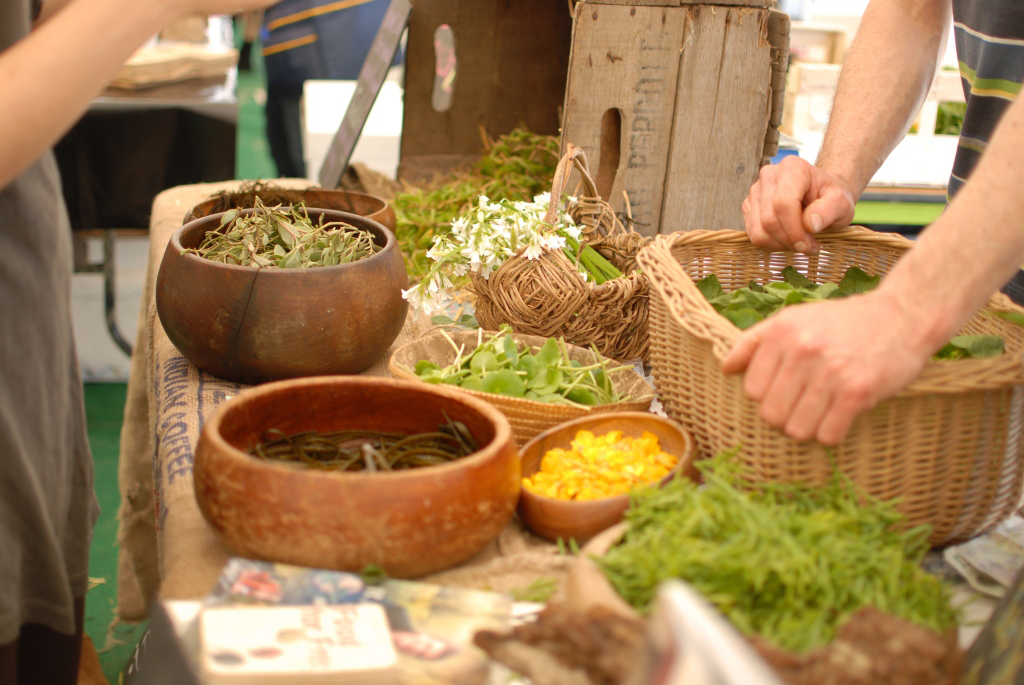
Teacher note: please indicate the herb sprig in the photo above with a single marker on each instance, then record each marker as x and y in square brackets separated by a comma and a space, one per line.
[788, 562]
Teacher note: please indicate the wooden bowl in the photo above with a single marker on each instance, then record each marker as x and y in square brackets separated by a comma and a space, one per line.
[528, 417]
[409, 522]
[253, 325]
[583, 519]
[363, 204]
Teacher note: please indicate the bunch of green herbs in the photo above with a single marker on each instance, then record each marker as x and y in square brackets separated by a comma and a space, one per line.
[518, 166]
[747, 306]
[787, 562]
[498, 364]
[285, 238]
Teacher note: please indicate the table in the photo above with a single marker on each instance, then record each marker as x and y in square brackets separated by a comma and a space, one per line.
[166, 547]
[129, 146]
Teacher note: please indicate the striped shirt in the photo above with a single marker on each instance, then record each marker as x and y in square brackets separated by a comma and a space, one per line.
[989, 38]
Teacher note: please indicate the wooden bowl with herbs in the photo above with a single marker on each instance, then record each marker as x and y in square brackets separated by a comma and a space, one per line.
[351, 201]
[310, 297]
[409, 522]
[592, 464]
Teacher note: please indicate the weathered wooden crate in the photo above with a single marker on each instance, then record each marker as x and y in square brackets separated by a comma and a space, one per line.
[677, 103]
[511, 71]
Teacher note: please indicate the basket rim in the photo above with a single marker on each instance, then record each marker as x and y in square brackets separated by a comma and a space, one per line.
[402, 371]
[666, 274]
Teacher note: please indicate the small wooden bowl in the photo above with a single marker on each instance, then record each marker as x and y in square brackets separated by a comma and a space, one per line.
[581, 520]
[254, 325]
[363, 204]
[409, 522]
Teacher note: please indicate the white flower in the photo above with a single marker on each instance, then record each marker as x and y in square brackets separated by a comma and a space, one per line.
[533, 251]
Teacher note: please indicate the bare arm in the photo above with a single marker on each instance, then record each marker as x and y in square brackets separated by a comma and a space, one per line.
[50, 76]
[815, 367]
[885, 78]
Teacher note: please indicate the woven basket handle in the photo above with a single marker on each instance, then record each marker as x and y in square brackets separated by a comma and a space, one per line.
[558, 183]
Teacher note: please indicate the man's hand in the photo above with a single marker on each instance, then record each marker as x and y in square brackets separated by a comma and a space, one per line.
[815, 367]
[791, 202]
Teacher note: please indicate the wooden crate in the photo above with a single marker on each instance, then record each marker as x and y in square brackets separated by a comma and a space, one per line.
[677, 104]
[512, 61]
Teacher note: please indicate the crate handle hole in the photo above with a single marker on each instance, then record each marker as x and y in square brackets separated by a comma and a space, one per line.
[611, 145]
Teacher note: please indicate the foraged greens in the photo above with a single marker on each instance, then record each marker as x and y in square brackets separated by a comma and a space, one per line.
[747, 306]
[284, 238]
[499, 365]
[784, 561]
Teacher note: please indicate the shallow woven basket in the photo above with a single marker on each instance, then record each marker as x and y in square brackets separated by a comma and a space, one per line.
[528, 417]
[548, 296]
[949, 446]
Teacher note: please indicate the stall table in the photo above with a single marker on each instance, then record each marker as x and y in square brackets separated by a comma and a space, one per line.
[167, 549]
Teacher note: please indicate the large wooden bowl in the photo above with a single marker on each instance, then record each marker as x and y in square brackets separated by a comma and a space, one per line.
[253, 325]
[581, 520]
[353, 202]
[409, 522]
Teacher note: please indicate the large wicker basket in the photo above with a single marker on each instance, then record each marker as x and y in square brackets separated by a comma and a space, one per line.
[548, 297]
[949, 446]
[528, 417]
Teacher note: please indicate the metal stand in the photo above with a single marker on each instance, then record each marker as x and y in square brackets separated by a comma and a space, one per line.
[106, 267]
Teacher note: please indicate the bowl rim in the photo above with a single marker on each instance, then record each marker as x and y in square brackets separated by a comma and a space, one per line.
[390, 244]
[334, 191]
[685, 460]
[211, 428]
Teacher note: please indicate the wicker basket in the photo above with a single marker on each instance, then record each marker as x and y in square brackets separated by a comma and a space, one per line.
[548, 297]
[528, 417]
[949, 446]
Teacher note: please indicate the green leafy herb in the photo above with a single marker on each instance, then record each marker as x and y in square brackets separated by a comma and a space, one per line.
[972, 347]
[499, 365]
[273, 237]
[787, 562]
[540, 590]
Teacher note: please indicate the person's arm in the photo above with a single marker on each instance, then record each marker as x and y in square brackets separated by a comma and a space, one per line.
[885, 78]
[50, 76]
[815, 367]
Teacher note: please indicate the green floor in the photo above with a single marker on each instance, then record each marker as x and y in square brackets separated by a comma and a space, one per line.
[105, 410]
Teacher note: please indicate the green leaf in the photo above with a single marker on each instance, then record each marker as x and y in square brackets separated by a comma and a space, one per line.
[754, 286]
[483, 361]
[228, 217]
[856, 281]
[795, 297]
[710, 287]
[1012, 317]
[472, 383]
[797, 279]
[528, 363]
[549, 354]
[742, 317]
[546, 381]
[826, 291]
[425, 365]
[503, 382]
[581, 396]
[442, 320]
[510, 349]
[979, 346]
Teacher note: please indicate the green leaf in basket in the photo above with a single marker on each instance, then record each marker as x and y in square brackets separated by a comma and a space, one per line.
[424, 366]
[503, 382]
[742, 317]
[971, 346]
[827, 291]
[581, 396]
[472, 383]
[856, 281]
[549, 354]
[797, 279]
[511, 351]
[483, 361]
[603, 380]
[755, 287]
[709, 287]
[528, 363]
[1012, 317]
[547, 381]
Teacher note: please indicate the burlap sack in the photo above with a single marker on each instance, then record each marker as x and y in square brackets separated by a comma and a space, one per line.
[174, 550]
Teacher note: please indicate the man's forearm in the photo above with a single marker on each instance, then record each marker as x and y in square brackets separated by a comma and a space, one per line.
[886, 76]
[973, 248]
[50, 76]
